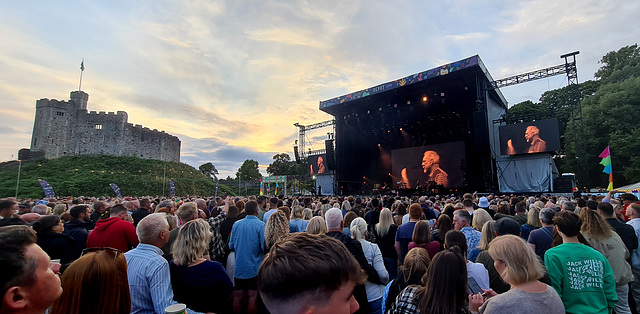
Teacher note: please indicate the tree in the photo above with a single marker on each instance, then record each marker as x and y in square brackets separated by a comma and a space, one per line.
[526, 108]
[249, 170]
[208, 170]
[282, 165]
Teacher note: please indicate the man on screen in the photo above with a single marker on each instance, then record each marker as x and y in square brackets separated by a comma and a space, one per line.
[532, 135]
[430, 166]
[320, 163]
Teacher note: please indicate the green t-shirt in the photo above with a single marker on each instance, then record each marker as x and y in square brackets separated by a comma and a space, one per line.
[582, 277]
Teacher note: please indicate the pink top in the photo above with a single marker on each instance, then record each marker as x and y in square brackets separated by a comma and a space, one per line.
[432, 247]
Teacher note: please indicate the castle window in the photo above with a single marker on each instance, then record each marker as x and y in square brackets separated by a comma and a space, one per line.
[98, 127]
[60, 113]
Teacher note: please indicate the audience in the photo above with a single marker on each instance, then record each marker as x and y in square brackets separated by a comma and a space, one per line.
[56, 244]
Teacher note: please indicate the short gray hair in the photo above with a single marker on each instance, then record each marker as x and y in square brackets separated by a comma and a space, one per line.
[149, 227]
[40, 209]
[333, 218]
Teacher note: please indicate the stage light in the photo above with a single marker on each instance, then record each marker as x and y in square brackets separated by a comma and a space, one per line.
[389, 173]
[424, 99]
[378, 145]
[400, 129]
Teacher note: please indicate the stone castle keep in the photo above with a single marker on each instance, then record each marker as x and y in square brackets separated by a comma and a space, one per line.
[65, 128]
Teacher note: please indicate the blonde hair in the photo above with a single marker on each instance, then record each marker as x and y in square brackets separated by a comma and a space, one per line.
[522, 262]
[192, 242]
[317, 225]
[59, 209]
[488, 234]
[346, 206]
[533, 218]
[358, 228]
[480, 217]
[594, 225]
[386, 220]
[276, 229]
[415, 263]
[297, 212]
[307, 214]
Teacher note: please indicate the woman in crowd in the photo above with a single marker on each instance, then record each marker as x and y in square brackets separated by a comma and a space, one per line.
[488, 234]
[348, 218]
[51, 240]
[385, 235]
[308, 214]
[533, 222]
[480, 217]
[201, 284]
[59, 209]
[503, 211]
[477, 271]
[346, 207]
[95, 283]
[297, 220]
[542, 238]
[401, 211]
[586, 263]
[518, 266]
[606, 241]
[225, 226]
[276, 229]
[444, 290]
[448, 210]
[317, 225]
[422, 238]
[443, 225]
[415, 266]
[374, 258]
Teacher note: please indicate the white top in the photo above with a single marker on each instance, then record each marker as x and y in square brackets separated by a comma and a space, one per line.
[374, 257]
[478, 272]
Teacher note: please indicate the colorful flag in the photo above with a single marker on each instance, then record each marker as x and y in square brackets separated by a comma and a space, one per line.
[606, 162]
[47, 188]
[82, 65]
[172, 189]
[116, 189]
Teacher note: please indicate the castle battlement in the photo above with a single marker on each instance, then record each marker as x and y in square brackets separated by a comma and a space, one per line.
[64, 128]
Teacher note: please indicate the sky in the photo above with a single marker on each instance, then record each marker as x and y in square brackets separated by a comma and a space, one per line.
[230, 78]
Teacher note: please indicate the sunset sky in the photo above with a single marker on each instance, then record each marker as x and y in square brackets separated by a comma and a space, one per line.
[230, 78]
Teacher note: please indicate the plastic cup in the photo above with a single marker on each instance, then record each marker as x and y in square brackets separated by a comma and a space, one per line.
[179, 308]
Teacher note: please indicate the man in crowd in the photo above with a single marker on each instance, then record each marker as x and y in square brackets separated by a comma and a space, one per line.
[143, 211]
[77, 227]
[247, 240]
[217, 245]
[462, 222]
[521, 213]
[186, 212]
[328, 271]
[273, 207]
[28, 284]
[8, 208]
[625, 231]
[404, 235]
[114, 232]
[633, 212]
[335, 224]
[262, 206]
[99, 207]
[147, 272]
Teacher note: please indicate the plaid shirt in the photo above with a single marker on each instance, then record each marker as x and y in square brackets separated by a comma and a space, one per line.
[406, 302]
[216, 246]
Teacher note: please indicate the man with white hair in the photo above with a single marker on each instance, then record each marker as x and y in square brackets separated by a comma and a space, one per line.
[40, 209]
[335, 224]
[147, 271]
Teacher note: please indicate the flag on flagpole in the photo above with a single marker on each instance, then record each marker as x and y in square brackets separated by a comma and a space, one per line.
[606, 162]
[82, 65]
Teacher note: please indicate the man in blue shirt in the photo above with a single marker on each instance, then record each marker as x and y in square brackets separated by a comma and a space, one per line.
[247, 240]
[405, 231]
[147, 271]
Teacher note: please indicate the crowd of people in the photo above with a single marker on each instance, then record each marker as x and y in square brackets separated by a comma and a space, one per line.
[374, 254]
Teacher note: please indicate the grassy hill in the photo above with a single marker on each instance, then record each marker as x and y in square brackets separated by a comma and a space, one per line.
[91, 175]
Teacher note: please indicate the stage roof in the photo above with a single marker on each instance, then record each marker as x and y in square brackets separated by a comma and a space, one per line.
[465, 67]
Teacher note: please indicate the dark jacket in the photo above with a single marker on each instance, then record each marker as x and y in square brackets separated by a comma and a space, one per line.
[59, 246]
[78, 231]
[138, 214]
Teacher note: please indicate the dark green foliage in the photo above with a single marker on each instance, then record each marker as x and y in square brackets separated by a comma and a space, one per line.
[282, 165]
[249, 170]
[91, 175]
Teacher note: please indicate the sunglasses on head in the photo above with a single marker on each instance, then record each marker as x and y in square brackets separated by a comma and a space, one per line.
[98, 249]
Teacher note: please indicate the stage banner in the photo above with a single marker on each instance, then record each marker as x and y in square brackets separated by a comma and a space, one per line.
[47, 188]
[172, 189]
[115, 189]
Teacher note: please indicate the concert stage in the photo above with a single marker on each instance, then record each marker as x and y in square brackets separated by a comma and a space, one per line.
[429, 131]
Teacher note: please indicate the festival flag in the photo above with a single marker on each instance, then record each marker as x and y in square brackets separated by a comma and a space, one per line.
[82, 65]
[116, 189]
[261, 186]
[276, 188]
[172, 189]
[47, 188]
[606, 162]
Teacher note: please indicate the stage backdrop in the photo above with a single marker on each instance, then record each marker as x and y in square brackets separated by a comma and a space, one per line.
[516, 133]
[451, 160]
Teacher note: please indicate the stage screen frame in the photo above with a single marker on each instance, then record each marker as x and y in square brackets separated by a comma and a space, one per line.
[312, 164]
[548, 130]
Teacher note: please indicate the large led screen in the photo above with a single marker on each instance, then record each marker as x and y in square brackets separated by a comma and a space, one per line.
[530, 137]
[317, 164]
[420, 166]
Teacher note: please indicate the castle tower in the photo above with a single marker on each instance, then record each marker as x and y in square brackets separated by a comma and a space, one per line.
[80, 98]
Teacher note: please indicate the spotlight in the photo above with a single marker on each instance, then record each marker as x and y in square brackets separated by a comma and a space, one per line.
[378, 145]
[424, 99]
[400, 129]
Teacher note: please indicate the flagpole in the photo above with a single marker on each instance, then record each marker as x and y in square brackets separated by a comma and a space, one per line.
[81, 71]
